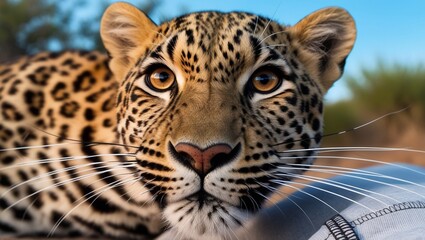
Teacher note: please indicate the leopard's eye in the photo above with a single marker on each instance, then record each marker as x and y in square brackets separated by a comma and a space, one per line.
[265, 81]
[160, 79]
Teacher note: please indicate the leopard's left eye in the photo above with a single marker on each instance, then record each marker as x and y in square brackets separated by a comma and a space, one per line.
[265, 81]
[160, 79]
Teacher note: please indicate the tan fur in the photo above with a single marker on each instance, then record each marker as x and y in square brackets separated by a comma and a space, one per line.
[123, 23]
[313, 30]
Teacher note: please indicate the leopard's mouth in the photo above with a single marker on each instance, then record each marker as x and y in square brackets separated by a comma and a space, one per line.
[204, 198]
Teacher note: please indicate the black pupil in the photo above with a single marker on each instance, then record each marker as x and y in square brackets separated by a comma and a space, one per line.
[162, 76]
[263, 79]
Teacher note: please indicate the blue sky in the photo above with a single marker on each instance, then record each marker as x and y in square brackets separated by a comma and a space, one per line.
[388, 31]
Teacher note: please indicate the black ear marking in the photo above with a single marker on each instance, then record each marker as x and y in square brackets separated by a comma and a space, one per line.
[325, 47]
[326, 37]
[341, 64]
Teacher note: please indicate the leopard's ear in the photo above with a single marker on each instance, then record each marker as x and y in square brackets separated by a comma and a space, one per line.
[125, 30]
[324, 39]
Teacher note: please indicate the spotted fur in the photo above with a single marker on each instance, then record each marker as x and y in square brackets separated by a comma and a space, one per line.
[90, 151]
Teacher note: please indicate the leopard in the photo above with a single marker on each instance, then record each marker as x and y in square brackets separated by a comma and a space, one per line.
[181, 131]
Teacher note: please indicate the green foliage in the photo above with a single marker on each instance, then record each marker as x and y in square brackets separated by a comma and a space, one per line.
[376, 92]
[389, 88]
[340, 116]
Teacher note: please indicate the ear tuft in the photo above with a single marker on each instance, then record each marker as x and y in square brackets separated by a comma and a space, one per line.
[124, 29]
[325, 39]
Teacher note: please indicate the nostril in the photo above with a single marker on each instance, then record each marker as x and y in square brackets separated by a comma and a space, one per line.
[186, 158]
[189, 155]
[218, 160]
[222, 158]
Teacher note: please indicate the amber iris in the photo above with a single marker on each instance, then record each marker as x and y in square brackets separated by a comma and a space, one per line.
[265, 81]
[161, 79]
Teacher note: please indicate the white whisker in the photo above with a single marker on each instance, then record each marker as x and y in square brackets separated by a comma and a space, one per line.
[271, 35]
[344, 186]
[35, 147]
[62, 170]
[351, 149]
[277, 191]
[256, 23]
[332, 193]
[95, 193]
[361, 159]
[271, 189]
[60, 184]
[351, 174]
[270, 20]
[131, 192]
[63, 159]
[342, 170]
[274, 45]
[287, 184]
[377, 119]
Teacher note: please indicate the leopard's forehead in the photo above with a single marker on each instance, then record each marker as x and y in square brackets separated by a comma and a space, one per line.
[208, 29]
[214, 22]
[216, 45]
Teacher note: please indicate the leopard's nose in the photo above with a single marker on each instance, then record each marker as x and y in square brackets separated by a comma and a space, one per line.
[207, 159]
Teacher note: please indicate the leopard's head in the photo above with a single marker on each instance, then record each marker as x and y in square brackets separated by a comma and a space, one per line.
[224, 107]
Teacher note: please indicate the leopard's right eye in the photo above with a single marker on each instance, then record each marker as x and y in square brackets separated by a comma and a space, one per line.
[160, 78]
[265, 81]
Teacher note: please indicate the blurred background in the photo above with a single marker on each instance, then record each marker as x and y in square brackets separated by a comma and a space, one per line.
[384, 73]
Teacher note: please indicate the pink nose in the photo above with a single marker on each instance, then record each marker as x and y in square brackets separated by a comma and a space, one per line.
[201, 159]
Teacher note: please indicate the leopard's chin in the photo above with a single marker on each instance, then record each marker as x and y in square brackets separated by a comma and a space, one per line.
[205, 216]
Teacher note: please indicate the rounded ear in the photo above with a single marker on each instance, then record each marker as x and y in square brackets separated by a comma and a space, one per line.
[125, 30]
[324, 39]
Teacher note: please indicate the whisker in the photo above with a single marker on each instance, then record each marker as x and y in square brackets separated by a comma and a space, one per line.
[231, 230]
[286, 183]
[34, 147]
[84, 143]
[277, 191]
[29, 206]
[64, 182]
[352, 175]
[131, 192]
[157, 193]
[357, 149]
[63, 159]
[345, 131]
[93, 193]
[347, 169]
[272, 189]
[256, 23]
[366, 124]
[330, 192]
[147, 191]
[360, 159]
[353, 171]
[274, 45]
[347, 187]
[255, 204]
[109, 186]
[270, 20]
[271, 35]
[62, 170]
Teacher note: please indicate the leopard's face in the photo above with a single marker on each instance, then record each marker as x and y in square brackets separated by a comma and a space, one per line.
[222, 107]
